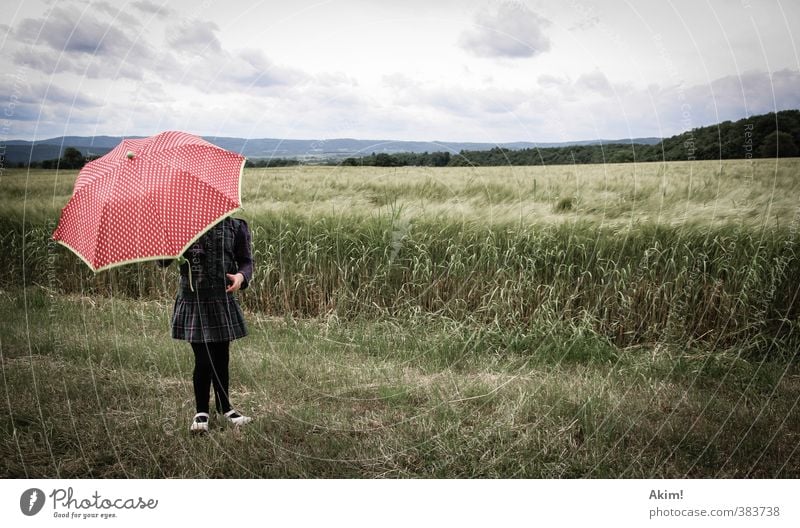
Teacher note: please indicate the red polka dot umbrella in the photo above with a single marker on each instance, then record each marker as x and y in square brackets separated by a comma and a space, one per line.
[149, 199]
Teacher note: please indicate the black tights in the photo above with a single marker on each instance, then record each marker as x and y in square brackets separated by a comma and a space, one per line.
[211, 366]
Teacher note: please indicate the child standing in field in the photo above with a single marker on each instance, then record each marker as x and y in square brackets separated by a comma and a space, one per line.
[207, 314]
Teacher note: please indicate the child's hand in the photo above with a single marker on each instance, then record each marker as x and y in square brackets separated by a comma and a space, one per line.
[236, 280]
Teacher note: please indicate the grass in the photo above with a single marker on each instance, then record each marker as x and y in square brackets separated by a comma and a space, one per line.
[589, 321]
[702, 193]
[723, 286]
[95, 388]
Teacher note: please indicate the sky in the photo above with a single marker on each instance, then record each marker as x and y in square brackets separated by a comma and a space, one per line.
[469, 70]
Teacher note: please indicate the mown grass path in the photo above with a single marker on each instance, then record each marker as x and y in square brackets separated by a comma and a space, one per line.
[94, 387]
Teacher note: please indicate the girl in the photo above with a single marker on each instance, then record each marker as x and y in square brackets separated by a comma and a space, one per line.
[207, 314]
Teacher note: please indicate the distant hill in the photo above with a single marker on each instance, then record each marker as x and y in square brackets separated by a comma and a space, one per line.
[20, 151]
[758, 136]
[763, 136]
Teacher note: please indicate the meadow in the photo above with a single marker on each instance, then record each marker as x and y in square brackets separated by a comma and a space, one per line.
[618, 320]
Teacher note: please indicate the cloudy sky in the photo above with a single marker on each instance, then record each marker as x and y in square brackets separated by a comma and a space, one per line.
[458, 70]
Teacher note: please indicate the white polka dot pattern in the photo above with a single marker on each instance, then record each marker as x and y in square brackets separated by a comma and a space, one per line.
[152, 205]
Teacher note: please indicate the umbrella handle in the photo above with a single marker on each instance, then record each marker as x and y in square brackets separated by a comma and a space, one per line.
[182, 260]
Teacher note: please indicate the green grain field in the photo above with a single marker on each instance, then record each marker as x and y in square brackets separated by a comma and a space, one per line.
[620, 320]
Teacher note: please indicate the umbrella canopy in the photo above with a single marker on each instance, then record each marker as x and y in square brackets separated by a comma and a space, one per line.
[149, 199]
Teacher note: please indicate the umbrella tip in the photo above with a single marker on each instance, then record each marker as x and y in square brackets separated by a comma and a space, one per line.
[130, 154]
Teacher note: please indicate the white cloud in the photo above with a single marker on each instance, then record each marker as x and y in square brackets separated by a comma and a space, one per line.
[729, 98]
[589, 22]
[630, 111]
[399, 81]
[512, 30]
[68, 31]
[57, 94]
[43, 62]
[150, 8]
[94, 48]
[69, 41]
[756, 93]
[595, 81]
[194, 36]
[223, 72]
[390, 70]
[108, 8]
[87, 66]
[252, 68]
[552, 81]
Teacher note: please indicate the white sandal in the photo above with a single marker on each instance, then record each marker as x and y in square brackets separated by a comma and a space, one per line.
[199, 423]
[237, 419]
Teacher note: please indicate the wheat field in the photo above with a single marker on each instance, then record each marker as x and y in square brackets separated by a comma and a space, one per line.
[628, 320]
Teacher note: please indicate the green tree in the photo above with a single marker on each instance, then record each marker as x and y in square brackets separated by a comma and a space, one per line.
[440, 159]
[621, 156]
[72, 159]
[385, 160]
[778, 144]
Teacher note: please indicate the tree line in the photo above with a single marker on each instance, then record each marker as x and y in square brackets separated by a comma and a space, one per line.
[271, 162]
[401, 159]
[764, 136]
[72, 158]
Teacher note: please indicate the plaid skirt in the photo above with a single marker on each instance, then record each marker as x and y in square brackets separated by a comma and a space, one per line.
[204, 320]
